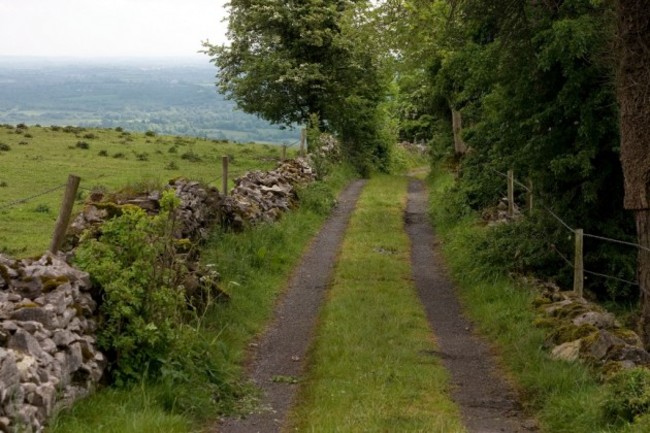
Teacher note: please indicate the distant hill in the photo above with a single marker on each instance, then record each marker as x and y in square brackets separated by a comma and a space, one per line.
[169, 96]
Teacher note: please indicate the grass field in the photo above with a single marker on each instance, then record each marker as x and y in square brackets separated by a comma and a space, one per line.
[36, 160]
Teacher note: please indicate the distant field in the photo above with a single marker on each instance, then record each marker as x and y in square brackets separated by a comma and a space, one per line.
[38, 159]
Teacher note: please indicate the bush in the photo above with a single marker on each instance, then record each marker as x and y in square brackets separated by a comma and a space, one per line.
[134, 265]
[5, 147]
[103, 153]
[82, 145]
[628, 396]
[191, 156]
[150, 134]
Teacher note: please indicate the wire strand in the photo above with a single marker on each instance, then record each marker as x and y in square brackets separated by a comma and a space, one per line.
[27, 199]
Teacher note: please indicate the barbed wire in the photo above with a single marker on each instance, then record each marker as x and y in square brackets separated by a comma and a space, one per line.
[30, 198]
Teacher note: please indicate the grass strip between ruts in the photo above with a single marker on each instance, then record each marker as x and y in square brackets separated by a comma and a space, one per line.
[371, 367]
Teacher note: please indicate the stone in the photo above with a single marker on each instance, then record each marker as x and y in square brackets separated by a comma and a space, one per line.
[567, 352]
[74, 357]
[595, 318]
[23, 341]
[26, 367]
[8, 369]
[63, 338]
[597, 346]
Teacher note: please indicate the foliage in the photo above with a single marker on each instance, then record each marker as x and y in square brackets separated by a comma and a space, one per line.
[287, 61]
[628, 395]
[134, 264]
[564, 397]
[533, 84]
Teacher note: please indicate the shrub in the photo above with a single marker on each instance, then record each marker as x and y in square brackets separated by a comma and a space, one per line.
[119, 155]
[191, 156]
[3, 184]
[82, 145]
[150, 134]
[23, 143]
[628, 395]
[142, 156]
[90, 136]
[103, 153]
[134, 265]
[119, 129]
[5, 147]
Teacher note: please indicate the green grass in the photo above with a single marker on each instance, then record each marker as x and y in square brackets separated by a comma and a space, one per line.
[121, 411]
[254, 266]
[47, 157]
[371, 368]
[565, 397]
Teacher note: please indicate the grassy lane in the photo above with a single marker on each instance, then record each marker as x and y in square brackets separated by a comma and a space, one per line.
[371, 366]
[254, 267]
[566, 397]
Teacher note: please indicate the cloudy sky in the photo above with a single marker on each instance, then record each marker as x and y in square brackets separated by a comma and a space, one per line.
[109, 28]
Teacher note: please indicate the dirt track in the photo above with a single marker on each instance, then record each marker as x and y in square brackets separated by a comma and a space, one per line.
[280, 352]
[487, 402]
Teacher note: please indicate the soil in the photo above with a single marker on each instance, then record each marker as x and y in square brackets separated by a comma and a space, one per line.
[277, 358]
[487, 402]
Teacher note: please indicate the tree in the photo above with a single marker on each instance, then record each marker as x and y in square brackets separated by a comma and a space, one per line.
[633, 90]
[290, 59]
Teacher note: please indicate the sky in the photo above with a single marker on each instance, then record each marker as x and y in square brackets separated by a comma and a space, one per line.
[109, 28]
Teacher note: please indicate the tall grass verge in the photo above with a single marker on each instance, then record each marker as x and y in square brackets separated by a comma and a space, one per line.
[372, 368]
[565, 397]
[254, 267]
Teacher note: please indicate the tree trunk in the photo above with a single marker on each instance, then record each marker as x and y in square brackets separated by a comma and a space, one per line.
[457, 123]
[633, 93]
[643, 229]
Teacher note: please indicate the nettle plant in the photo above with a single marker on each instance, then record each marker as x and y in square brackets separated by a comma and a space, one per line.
[134, 263]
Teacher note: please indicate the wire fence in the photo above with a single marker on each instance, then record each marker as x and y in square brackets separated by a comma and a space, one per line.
[585, 235]
[14, 203]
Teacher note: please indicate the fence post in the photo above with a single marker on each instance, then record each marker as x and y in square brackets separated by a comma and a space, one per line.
[284, 152]
[224, 175]
[303, 138]
[578, 268]
[511, 193]
[529, 196]
[64, 213]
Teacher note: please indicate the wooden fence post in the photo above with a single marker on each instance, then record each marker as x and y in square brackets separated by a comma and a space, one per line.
[529, 196]
[224, 175]
[511, 193]
[303, 139]
[284, 152]
[64, 213]
[578, 268]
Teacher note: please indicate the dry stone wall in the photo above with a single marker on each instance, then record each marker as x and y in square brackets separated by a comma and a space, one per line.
[48, 309]
[48, 354]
